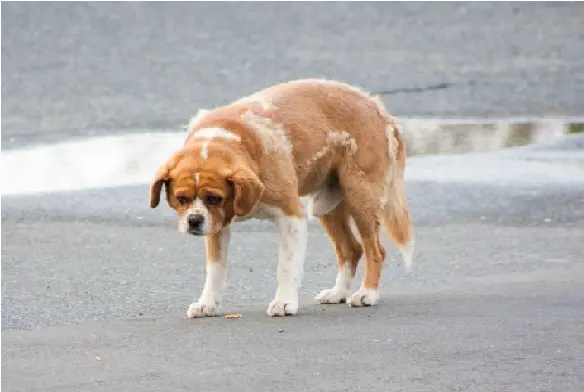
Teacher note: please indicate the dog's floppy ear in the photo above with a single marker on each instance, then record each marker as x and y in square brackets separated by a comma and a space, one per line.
[160, 178]
[248, 190]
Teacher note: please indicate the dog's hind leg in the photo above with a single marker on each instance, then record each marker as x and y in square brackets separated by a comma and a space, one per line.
[348, 249]
[362, 198]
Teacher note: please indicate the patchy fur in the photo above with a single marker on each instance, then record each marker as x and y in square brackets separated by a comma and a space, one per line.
[255, 158]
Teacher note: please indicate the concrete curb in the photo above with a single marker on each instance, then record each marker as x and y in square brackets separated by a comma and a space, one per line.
[430, 137]
[131, 159]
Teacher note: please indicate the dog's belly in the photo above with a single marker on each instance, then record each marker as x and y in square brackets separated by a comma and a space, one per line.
[325, 197]
[324, 201]
[261, 211]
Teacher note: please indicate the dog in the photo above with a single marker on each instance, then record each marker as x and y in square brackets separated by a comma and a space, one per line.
[256, 157]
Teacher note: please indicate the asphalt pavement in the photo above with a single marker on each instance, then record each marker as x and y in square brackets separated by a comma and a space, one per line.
[93, 68]
[95, 285]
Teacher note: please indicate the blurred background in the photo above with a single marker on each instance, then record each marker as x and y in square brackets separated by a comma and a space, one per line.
[93, 68]
[95, 285]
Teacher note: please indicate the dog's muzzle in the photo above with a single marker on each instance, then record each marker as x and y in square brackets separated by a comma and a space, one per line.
[196, 222]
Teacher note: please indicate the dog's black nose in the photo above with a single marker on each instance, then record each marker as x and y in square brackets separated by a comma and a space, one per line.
[195, 221]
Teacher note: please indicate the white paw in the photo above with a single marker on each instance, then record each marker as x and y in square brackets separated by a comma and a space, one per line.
[282, 308]
[363, 297]
[332, 296]
[197, 309]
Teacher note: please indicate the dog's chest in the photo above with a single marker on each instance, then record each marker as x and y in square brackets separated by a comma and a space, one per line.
[262, 212]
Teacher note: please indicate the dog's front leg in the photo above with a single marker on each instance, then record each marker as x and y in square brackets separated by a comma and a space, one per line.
[293, 236]
[215, 282]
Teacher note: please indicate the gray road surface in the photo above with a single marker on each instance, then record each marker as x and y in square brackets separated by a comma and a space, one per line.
[496, 301]
[95, 285]
[90, 68]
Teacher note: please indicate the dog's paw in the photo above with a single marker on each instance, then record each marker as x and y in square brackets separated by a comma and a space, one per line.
[197, 309]
[363, 297]
[332, 296]
[282, 308]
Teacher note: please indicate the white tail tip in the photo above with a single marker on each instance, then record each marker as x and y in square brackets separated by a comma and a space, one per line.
[407, 252]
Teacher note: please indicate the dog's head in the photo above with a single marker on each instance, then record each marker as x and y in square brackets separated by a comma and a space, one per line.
[206, 193]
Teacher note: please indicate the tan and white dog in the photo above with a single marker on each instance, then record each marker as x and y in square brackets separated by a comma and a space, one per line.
[256, 157]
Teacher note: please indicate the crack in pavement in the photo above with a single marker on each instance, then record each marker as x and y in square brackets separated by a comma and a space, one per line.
[423, 89]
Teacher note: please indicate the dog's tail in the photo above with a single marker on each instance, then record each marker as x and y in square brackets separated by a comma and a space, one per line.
[396, 217]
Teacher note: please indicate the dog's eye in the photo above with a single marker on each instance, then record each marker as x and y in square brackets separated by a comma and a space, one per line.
[213, 199]
[182, 199]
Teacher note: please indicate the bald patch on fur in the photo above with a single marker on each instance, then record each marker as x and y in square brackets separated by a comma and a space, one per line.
[193, 122]
[210, 134]
[273, 137]
[342, 139]
[260, 98]
[338, 139]
[390, 132]
[263, 98]
[379, 106]
[323, 139]
[215, 133]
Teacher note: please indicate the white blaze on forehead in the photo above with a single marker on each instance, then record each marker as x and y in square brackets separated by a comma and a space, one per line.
[205, 150]
[197, 179]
